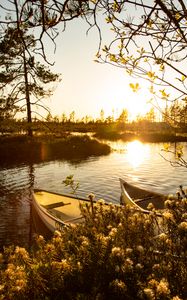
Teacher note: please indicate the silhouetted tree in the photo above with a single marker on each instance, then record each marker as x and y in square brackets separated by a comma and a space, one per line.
[22, 78]
[123, 117]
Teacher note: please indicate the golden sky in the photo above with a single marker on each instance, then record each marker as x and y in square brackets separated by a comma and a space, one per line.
[87, 86]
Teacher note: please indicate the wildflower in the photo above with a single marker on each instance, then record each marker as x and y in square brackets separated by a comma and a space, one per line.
[140, 248]
[101, 201]
[128, 266]
[184, 216]
[153, 283]
[176, 298]
[119, 285]
[50, 247]
[116, 251]
[149, 293]
[40, 240]
[20, 284]
[129, 251]
[183, 226]
[10, 270]
[169, 203]
[139, 266]
[85, 242]
[168, 216]
[57, 233]
[2, 286]
[184, 201]
[113, 232]
[91, 196]
[65, 264]
[22, 252]
[163, 236]
[163, 287]
[156, 267]
[150, 206]
[169, 242]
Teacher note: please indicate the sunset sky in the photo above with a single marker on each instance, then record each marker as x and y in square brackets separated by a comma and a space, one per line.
[86, 86]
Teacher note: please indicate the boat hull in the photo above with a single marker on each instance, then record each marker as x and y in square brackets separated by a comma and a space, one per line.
[56, 210]
[140, 198]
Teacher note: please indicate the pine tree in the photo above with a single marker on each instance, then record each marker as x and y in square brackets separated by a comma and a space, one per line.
[22, 78]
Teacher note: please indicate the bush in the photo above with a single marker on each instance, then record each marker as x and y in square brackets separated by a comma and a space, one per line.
[117, 253]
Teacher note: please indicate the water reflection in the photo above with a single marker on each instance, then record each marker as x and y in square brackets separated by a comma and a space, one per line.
[138, 163]
[137, 153]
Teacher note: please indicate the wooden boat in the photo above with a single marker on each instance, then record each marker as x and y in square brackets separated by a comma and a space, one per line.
[57, 210]
[140, 198]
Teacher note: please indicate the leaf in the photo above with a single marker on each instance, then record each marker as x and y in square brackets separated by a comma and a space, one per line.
[151, 75]
[163, 94]
[135, 87]
[113, 58]
[151, 89]
[183, 78]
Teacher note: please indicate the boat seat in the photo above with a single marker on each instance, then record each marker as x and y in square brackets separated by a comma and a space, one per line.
[148, 198]
[55, 205]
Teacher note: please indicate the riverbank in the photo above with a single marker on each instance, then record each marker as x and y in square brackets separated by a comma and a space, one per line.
[148, 137]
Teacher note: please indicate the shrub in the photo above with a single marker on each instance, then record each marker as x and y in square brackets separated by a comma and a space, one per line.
[117, 253]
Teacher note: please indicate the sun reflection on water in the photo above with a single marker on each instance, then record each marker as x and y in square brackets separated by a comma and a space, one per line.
[137, 153]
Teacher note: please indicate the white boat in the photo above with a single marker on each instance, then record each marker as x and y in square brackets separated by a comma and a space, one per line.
[140, 198]
[57, 210]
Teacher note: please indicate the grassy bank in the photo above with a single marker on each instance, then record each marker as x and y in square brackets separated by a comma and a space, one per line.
[23, 149]
[150, 137]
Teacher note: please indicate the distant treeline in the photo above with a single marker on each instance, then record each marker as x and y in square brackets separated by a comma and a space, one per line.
[99, 127]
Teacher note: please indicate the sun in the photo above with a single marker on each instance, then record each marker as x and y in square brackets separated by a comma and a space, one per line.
[135, 147]
[137, 103]
[137, 106]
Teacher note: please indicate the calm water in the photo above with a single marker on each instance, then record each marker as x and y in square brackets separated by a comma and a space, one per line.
[138, 163]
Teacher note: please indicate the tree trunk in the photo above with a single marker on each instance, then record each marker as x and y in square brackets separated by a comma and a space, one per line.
[27, 96]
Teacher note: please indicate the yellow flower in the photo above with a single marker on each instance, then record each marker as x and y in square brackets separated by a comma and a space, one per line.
[101, 201]
[168, 215]
[2, 287]
[149, 293]
[113, 232]
[116, 251]
[183, 226]
[163, 287]
[163, 237]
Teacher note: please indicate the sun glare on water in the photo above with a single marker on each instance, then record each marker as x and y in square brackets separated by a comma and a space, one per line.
[137, 153]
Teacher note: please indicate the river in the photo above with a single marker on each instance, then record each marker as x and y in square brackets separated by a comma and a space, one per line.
[138, 163]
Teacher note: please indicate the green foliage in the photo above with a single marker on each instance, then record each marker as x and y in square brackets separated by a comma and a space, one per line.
[115, 254]
[70, 182]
